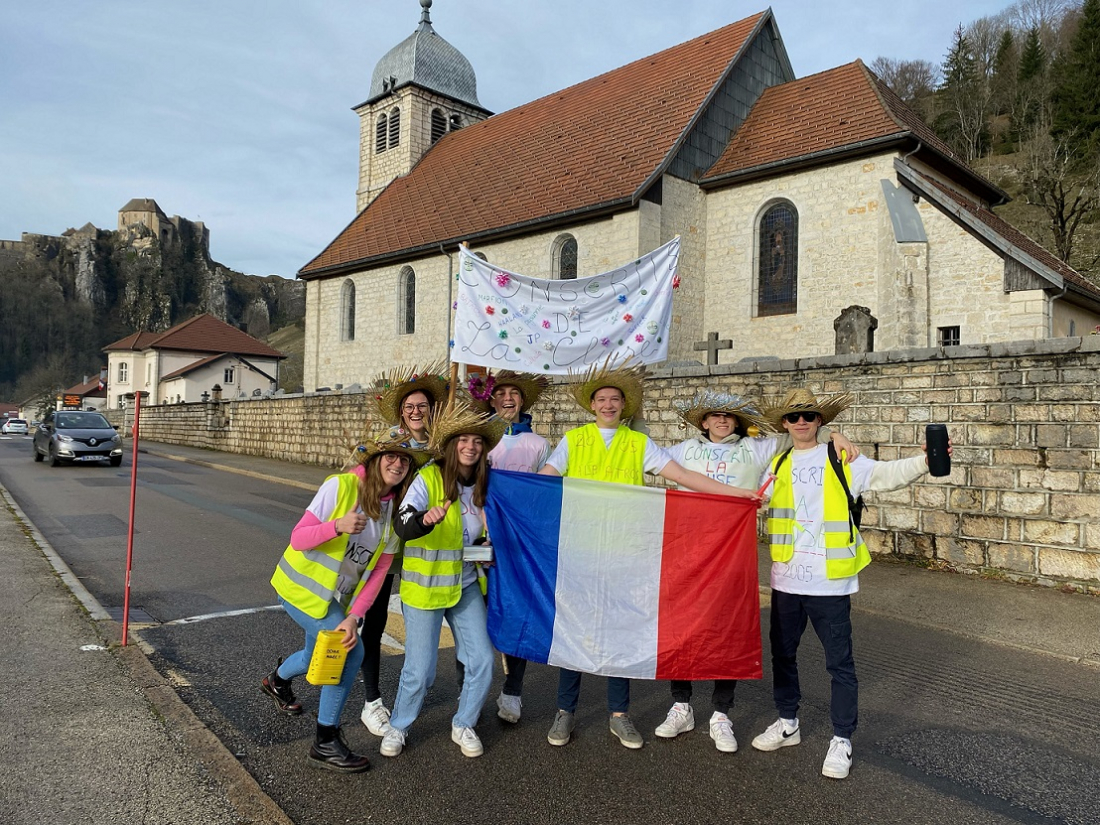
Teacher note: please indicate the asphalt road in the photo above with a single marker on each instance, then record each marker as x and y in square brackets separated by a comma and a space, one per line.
[951, 730]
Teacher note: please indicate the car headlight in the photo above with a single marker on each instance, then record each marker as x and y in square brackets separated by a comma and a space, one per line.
[67, 439]
[116, 438]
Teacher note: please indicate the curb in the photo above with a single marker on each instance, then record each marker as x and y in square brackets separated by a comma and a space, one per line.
[212, 465]
[243, 793]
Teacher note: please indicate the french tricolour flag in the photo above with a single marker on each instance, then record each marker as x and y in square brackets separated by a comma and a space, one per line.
[619, 580]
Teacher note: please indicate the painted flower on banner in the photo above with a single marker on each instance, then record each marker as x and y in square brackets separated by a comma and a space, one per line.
[546, 325]
[503, 279]
[675, 281]
[502, 334]
[652, 327]
[622, 299]
[548, 346]
[454, 305]
[574, 312]
[628, 317]
[489, 310]
[639, 338]
[523, 310]
[605, 341]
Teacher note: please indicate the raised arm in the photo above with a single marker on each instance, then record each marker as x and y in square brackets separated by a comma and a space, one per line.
[701, 483]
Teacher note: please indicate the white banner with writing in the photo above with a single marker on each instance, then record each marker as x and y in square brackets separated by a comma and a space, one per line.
[504, 320]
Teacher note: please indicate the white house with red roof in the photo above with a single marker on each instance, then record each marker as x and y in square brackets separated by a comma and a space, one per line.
[182, 363]
[795, 199]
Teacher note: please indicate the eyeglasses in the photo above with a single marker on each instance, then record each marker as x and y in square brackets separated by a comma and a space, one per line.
[398, 458]
[411, 408]
[808, 417]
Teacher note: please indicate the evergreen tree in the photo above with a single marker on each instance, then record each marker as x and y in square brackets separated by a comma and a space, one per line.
[1032, 90]
[1033, 60]
[964, 100]
[1076, 96]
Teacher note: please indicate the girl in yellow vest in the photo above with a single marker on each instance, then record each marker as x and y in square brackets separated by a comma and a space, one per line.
[441, 514]
[817, 553]
[405, 401]
[329, 575]
[608, 450]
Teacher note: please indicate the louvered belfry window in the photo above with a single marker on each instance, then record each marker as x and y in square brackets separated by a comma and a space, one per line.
[380, 134]
[395, 127]
[439, 125]
[777, 269]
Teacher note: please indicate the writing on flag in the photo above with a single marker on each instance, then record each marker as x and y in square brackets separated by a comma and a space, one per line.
[505, 320]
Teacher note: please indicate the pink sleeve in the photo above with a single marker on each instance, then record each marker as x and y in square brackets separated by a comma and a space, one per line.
[370, 590]
[311, 532]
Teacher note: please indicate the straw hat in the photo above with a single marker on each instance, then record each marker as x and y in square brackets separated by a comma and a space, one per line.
[531, 386]
[399, 382]
[628, 380]
[802, 400]
[461, 419]
[376, 440]
[706, 402]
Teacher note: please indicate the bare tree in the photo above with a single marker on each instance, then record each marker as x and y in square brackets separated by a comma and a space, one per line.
[914, 81]
[1056, 179]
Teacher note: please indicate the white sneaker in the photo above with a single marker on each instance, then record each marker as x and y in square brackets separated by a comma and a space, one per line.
[393, 742]
[721, 731]
[838, 761]
[509, 707]
[780, 734]
[680, 719]
[376, 717]
[467, 740]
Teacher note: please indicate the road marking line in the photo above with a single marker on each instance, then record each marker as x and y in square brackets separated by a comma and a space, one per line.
[205, 617]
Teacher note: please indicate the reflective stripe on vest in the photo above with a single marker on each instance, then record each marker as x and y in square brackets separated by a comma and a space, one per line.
[623, 461]
[845, 552]
[431, 573]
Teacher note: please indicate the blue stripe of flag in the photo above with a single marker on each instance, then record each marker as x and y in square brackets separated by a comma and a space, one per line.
[522, 585]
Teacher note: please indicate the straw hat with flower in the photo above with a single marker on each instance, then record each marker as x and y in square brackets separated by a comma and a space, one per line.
[802, 400]
[627, 380]
[462, 419]
[530, 386]
[375, 440]
[394, 385]
[706, 402]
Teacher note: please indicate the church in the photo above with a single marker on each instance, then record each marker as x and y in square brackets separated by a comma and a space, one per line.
[817, 215]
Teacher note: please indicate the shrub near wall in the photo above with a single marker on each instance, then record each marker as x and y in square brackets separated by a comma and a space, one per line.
[1023, 498]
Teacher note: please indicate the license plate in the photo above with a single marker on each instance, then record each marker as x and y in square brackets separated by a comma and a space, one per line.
[90, 458]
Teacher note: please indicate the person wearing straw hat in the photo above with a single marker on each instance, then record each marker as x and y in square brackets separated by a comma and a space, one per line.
[440, 515]
[607, 450]
[329, 575]
[721, 450]
[509, 395]
[817, 553]
[405, 400]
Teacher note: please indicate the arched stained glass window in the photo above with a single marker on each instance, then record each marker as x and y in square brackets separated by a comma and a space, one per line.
[777, 261]
[565, 258]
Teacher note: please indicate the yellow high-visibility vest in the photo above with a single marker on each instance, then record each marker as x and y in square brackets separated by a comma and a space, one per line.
[623, 461]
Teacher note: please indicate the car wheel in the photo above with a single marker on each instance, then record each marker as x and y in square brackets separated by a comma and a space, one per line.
[54, 460]
[37, 455]
[116, 461]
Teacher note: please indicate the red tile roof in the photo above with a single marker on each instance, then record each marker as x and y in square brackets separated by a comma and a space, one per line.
[203, 333]
[591, 145]
[88, 388]
[827, 112]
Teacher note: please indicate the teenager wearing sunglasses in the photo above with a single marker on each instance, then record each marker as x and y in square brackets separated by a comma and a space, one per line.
[817, 553]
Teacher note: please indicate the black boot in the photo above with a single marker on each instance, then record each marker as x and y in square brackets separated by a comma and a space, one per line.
[331, 752]
[278, 689]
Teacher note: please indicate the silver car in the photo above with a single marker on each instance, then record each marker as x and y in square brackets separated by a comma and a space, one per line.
[71, 435]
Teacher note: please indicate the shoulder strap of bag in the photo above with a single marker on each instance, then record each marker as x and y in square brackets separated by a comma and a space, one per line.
[838, 468]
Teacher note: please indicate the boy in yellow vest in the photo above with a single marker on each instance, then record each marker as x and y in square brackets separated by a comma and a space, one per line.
[817, 553]
[608, 450]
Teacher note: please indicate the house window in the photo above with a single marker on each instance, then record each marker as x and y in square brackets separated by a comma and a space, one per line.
[148, 374]
[777, 261]
[381, 129]
[347, 312]
[123, 372]
[230, 375]
[406, 302]
[121, 402]
[565, 258]
[439, 125]
[948, 336]
[395, 127]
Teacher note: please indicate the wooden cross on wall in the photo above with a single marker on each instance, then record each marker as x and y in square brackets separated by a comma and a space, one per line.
[712, 345]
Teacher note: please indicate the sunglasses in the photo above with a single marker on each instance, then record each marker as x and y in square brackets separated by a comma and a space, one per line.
[808, 417]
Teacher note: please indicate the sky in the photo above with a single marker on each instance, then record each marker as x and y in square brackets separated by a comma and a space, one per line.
[239, 114]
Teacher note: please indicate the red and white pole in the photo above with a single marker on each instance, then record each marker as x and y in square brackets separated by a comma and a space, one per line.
[130, 529]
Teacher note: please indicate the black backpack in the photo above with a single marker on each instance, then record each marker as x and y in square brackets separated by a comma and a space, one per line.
[855, 505]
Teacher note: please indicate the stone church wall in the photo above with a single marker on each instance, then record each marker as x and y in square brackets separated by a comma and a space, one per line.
[1024, 493]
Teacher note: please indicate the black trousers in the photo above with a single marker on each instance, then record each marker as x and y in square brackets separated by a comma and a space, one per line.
[374, 625]
[721, 698]
[831, 617]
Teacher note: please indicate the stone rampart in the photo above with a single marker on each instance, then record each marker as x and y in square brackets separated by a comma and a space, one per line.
[1023, 498]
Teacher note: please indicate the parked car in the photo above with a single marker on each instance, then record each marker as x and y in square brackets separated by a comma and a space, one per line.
[69, 435]
[14, 426]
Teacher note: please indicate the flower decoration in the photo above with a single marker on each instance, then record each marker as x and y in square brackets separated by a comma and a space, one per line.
[523, 310]
[639, 338]
[622, 299]
[502, 334]
[574, 312]
[628, 317]
[481, 387]
[547, 346]
[675, 281]
[503, 279]
[450, 344]
[360, 449]
[454, 305]
[546, 325]
[489, 310]
[605, 341]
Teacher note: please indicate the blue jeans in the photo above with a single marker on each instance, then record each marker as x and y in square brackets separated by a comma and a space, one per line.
[333, 697]
[569, 691]
[472, 648]
[831, 617]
